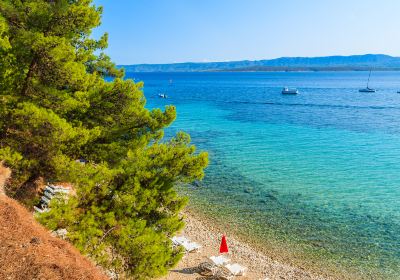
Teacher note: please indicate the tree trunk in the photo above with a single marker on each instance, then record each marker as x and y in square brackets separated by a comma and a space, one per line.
[29, 76]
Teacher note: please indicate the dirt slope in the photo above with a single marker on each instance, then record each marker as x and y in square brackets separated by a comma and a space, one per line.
[28, 251]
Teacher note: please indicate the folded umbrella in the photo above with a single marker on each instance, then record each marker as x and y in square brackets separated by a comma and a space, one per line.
[223, 248]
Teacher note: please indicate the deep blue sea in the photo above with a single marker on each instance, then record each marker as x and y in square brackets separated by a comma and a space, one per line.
[315, 177]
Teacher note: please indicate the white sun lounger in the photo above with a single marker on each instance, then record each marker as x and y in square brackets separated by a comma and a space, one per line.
[213, 264]
[185, 243]
[49, 195]
[236, 269]
[178, 240]
[40, 210]
[59, 189]
[191, 246]
[219, 260]
[45, 199]
[49, 189]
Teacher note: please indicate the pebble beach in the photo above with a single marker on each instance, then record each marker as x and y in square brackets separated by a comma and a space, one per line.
[260, 266]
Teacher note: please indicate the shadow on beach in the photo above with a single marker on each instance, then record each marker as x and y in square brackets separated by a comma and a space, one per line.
[187, 270]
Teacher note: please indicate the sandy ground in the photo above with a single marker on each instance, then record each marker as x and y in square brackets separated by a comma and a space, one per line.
[259, 266]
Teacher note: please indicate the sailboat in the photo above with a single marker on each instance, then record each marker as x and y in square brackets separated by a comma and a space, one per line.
[368, 89]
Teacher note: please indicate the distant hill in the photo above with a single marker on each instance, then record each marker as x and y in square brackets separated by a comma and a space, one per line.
[326, 63]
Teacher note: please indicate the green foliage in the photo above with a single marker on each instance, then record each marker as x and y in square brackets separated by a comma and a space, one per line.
[56, 108]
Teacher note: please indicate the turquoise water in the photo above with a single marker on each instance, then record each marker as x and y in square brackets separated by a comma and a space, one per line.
[317, 174]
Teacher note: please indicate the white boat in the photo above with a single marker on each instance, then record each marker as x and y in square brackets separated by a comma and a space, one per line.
[368, 89]
[287, 90]
[162, 95]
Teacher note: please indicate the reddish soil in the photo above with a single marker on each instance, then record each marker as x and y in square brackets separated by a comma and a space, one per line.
[28, 251]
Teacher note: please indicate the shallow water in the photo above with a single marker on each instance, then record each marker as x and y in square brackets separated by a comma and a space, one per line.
[316, 173]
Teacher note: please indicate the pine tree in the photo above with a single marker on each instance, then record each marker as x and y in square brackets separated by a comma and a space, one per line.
[57, 108]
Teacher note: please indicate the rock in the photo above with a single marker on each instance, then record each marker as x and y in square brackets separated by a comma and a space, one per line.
[35, 241]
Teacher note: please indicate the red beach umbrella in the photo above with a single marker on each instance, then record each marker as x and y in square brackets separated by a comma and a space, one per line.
[224, 246]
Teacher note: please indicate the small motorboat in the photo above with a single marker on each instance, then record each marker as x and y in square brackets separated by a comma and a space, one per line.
[163, 95]
[287, 90]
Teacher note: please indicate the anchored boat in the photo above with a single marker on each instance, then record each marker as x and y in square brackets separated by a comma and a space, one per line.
[287, 90]
[368, 89]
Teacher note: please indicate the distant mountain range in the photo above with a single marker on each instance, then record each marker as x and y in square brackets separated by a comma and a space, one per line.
[326, 63]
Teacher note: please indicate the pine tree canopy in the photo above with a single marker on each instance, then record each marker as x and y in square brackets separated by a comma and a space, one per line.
[57, 108]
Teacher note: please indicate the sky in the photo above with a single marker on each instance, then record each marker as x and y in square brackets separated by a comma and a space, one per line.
[169, 31]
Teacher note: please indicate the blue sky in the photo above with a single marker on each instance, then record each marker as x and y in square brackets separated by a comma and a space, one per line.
[166, 31]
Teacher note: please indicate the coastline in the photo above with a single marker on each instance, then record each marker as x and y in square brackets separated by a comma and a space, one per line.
[260, 265]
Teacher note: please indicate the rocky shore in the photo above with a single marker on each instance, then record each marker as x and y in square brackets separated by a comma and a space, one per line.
[260, 266]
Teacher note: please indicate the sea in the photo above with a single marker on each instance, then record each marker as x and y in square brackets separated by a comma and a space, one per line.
[312, 178]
